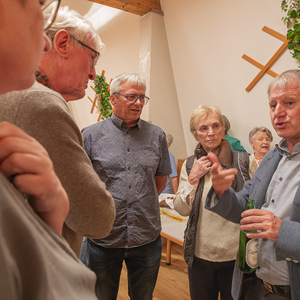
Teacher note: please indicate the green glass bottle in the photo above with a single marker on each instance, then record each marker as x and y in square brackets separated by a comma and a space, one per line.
[247, 256]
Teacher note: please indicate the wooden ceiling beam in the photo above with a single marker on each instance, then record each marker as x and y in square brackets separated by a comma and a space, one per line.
[138, 7]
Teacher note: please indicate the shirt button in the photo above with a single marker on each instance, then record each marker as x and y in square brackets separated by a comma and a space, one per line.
[129, 168]
[280, 179]
[130, 186]
[128, 149]
[272, 200]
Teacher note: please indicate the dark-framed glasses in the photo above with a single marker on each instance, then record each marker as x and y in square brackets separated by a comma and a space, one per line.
[49, 12]
[97, 54]
[131, 98]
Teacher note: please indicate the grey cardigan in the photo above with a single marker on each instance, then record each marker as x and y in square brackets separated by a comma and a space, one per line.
[44, 114]
[240, 161]
[36, 262]
[231, 205]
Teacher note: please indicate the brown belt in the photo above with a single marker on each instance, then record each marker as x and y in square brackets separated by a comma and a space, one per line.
[281, 290]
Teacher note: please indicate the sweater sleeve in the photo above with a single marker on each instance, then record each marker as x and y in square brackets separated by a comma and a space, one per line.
[46, 117]
[287, 248]
[184, 190]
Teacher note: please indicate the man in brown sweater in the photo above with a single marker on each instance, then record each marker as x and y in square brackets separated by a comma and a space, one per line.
[36, 262]
[42, 112]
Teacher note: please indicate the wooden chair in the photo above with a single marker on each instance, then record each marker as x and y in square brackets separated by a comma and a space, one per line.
[179, 166]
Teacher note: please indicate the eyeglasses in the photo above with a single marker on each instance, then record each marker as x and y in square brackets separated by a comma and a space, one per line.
[95, 60]
[50, 12]
[133, 98]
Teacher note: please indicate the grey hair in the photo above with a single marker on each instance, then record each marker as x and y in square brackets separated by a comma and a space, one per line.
[226, 124]
[169, 137]
[116, 84]
[257, 129]
[82, 29]
[283, 79]
[202, 112]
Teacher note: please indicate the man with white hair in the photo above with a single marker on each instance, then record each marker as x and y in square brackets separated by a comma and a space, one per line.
[275, 188]
[131, 157]
[42, 112]
[35, 261]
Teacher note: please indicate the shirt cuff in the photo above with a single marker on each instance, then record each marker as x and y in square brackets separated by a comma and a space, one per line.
[214, 200]
[188, 190]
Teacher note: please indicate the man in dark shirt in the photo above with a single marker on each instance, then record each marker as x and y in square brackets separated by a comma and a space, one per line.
[131, 157]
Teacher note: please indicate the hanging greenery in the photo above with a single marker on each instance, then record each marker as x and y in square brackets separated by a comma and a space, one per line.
[292, 9]
[104, 104]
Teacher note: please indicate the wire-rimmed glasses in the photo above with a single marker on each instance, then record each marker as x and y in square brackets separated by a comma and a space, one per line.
[50, 12]
[87, 46]
[131, 98]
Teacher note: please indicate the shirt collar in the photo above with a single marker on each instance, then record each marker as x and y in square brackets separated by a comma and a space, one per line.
[283, 148]
[42, 78]
[122, 125]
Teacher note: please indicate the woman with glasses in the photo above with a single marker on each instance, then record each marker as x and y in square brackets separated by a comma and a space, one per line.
[36, 263]
[210, 242]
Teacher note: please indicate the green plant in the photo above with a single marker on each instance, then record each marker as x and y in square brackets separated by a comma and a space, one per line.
[101, 89]
[292, 9]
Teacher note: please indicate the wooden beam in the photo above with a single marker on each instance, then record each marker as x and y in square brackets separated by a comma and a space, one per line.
[138, 7]
[257, 64]
[274, 33]
[267, 66]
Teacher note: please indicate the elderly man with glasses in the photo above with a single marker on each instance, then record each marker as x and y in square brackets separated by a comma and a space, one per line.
[43, 113]
[35, 261]
[131, 157]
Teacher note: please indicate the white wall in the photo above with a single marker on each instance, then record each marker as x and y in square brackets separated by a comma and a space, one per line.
[207, 40]
[121, 37]
[156, 67]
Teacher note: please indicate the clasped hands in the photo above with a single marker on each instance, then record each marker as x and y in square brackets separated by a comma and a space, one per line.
[199, 169]
[264, 221]
[26, 159]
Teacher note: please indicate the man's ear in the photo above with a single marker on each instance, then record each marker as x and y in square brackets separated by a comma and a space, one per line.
[61, 42]
[113, 100]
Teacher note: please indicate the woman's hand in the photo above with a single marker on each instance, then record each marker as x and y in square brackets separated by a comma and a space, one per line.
[199, 169]
[27, 160]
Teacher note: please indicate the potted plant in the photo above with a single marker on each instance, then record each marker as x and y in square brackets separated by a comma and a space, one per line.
[102, 96]
[292, 9]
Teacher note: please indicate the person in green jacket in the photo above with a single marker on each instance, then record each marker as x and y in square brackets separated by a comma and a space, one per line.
[235, 144]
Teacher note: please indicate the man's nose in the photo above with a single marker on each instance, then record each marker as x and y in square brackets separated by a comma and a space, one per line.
[92, 74]
[47, 44]
[140, 101]
[279, 110]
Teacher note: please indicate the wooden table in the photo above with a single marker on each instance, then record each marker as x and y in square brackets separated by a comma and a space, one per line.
[173, 226]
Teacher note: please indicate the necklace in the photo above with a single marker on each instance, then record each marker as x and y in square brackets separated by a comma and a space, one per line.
[258, 159]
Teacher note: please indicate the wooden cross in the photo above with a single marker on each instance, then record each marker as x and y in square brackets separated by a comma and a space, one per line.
[266, 68]
[95, 99]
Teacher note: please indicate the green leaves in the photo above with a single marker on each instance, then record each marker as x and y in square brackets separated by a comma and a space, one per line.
[101, 88]
[290, 34]
[292, 9]
[291, 45]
